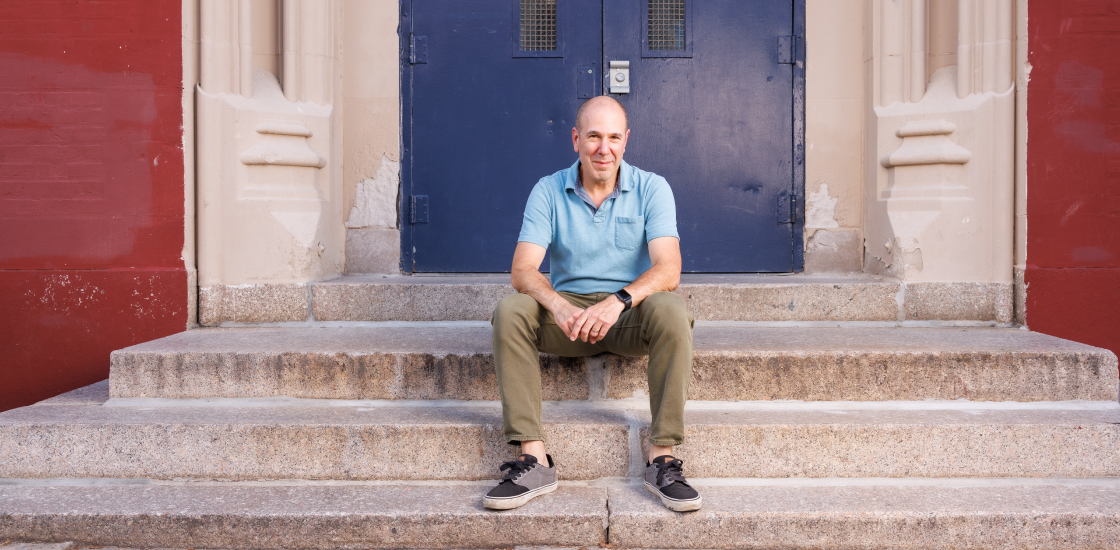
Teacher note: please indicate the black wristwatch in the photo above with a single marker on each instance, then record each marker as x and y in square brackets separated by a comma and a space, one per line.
[625, 297]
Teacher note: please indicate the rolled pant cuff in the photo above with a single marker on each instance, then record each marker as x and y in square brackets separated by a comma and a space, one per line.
[666, 442]
[517, 439]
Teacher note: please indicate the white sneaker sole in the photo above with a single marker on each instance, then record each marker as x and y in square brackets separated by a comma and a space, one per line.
[519, 500]
[674, 504]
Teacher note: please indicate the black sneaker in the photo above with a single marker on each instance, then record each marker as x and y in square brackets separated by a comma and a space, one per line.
[665, 479]
[525, 479]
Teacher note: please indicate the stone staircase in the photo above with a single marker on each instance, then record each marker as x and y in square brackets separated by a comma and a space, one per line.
[378, 426]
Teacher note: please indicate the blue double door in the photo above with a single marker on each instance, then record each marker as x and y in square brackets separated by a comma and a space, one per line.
[714, 90]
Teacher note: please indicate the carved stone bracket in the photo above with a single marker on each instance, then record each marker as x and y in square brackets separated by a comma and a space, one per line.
[284, 144]
[926, 142]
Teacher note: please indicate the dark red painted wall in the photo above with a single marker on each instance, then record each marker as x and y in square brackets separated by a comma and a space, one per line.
[1073, 170]
[91, 188]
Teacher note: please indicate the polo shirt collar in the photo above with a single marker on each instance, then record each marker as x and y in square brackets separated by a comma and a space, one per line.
[625, 175]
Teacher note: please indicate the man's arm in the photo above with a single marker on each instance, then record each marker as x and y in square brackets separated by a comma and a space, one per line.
[663, 275]
[526, 277]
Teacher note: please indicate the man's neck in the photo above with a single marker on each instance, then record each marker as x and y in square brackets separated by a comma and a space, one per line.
[596, 188]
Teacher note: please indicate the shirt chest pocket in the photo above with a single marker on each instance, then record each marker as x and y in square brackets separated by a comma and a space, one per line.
[628, 232]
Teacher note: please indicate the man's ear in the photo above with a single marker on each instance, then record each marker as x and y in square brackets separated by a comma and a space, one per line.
[575, 140]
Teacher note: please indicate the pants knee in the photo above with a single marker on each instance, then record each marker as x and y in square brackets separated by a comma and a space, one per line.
[666, 307]
[514, 308]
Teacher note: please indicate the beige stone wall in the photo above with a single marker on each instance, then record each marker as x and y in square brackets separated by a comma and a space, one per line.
[943, 40]
[266, 35]
[834, 134]
[371, 134]
[1022, 79]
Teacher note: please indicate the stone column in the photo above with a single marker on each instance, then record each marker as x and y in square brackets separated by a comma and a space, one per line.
[939, 192]
[269, 166]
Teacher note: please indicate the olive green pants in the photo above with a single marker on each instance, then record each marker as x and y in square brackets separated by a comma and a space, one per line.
[660, 327]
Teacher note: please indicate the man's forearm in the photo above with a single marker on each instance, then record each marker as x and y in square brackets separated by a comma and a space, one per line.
[664, 276]
[535, 284]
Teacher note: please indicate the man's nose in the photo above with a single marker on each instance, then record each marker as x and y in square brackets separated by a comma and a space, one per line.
[604, 148]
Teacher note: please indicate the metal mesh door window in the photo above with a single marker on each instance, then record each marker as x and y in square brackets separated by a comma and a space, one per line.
[538, 25]
[665, 25]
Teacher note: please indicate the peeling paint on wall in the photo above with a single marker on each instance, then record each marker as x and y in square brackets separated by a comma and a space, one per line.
[376, 205]
[820, 209]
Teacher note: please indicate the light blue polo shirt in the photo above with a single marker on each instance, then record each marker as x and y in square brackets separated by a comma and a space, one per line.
[599, 251]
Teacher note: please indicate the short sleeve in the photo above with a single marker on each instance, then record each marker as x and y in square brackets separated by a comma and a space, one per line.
[660, 211]
[536, 227]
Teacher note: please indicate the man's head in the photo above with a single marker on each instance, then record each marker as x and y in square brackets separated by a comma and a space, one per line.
[600, 138]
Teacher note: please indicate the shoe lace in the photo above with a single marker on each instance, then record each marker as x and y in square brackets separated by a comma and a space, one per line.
[670, 471]
[516, 469]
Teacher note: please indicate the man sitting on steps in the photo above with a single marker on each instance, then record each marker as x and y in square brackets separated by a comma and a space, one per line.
[615, 257]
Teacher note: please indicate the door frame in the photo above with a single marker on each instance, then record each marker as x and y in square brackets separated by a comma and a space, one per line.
[407, 263]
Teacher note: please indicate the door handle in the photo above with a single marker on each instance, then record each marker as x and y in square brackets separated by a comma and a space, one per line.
[619, 77]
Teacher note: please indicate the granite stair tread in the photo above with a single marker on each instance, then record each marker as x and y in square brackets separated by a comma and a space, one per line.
[240, 516]
[897, 517]
[455, 361]
[726, 297]
[162, 516]
[218, 439]
[741, 297]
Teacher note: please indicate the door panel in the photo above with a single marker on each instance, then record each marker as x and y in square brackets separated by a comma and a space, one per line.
[486, 125]
[485, 118]
[715, 119]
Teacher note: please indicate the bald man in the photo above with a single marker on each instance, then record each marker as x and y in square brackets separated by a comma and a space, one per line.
[611, 232]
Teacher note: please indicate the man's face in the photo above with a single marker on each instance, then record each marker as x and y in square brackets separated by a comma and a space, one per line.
[600, 141]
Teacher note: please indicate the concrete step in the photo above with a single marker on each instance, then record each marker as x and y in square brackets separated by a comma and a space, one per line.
[1069, 514]
[739, 297]
[156, 516]
[897, 517]
[274, 439]
[732, 362]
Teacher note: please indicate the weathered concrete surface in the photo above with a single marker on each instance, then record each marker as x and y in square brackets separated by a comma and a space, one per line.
[900, 443]
[588, 441]
[955, 301]
[93, 394]
[38, 546]
[338, 363]
[370, 250]
[1024, 517]
[709, 297]
[264, 303]
[872, 364]
[416, 298]
[731, 363]
[792, 298]
[297, 517]
[347, 443]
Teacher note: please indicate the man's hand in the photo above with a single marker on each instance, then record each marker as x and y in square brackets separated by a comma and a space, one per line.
[527, 279]
[592, 325]
[566, 315]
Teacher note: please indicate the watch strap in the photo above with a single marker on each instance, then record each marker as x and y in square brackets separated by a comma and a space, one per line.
[625, 297]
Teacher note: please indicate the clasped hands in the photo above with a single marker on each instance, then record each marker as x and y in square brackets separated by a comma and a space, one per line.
[591, 324]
